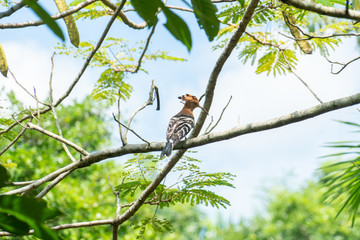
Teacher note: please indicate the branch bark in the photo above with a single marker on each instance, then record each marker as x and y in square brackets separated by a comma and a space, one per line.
[56, 16]
[12, 9]
[323, 10]
[57, 137]
[209, 93]
[237, 131]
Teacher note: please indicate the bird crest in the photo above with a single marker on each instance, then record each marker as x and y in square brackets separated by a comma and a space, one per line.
[189, 98]
[191, 102]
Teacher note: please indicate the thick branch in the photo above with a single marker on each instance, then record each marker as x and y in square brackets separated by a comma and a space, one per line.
[56, 16]
[201, 140]
[12, 9]
[323, 10]
[220, 63]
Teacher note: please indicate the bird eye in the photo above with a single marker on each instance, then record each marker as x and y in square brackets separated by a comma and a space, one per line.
[179, 97]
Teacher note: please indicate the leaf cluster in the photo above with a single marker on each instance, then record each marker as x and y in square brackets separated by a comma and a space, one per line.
[20, 214]
[118, 57]
[192, 186]
[204, 10]
[341, 180]
[276, 53]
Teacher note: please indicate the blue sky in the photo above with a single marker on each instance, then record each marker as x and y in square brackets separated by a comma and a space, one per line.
[259, 160]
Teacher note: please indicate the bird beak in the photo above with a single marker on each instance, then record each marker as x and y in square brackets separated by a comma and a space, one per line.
[204, 110]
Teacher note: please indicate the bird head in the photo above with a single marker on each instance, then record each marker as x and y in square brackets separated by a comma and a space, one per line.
[191, 102]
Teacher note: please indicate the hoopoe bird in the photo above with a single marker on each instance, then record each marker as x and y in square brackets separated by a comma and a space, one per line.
[180, 124]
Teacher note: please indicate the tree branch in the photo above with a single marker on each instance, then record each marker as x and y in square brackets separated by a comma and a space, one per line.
[207, 131]
[150, 101]
[12, 9]
[209, 93]
[344, 65]
[123, 17]
[52, 184]
[323, 10]
[199, 141]
[56, 16]
[57, 137]
[51, 99]
[127, 128]
[14, 140]
[289, 68]
[88, 59]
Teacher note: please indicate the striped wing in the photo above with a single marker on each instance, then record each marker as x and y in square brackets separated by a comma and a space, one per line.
[179, 126]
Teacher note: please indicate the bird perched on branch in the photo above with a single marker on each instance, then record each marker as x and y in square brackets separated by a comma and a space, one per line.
[181, 123]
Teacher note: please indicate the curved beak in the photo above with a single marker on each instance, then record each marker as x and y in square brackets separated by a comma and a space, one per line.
[204, 110]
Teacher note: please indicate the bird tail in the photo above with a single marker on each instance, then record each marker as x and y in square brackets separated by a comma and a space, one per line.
[167, 150]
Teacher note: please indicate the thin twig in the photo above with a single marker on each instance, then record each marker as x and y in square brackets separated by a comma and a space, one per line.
[344, 65]
[88, 59]
[66, 13]
[52, 184]
[145, 48]
[150, 101]
[118, 208]
[13, 141]
[86, 64]
[129, 129]
[57, 137]
[220, 117]
[123, 17]
[24, 183]
[356, 165]
[119, 116]
[31, 95]
[37, 107]
[309, 37]
[19, 122]
[288, 67]
[51, 99]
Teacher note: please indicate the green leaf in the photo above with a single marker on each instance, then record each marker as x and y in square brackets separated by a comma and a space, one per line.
[70, 23]
[45, 17]
[4, 176]
[205, 12]
[109, 85]
[147, 10]
[325, 3]
[3, 63]
[242, 3]
[13, 225]
[178, 28]
[31, 211]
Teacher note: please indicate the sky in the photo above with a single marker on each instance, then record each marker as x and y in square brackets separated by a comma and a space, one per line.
[288, 155]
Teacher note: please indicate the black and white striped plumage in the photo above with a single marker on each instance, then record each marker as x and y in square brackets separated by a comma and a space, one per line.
[180, 124]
